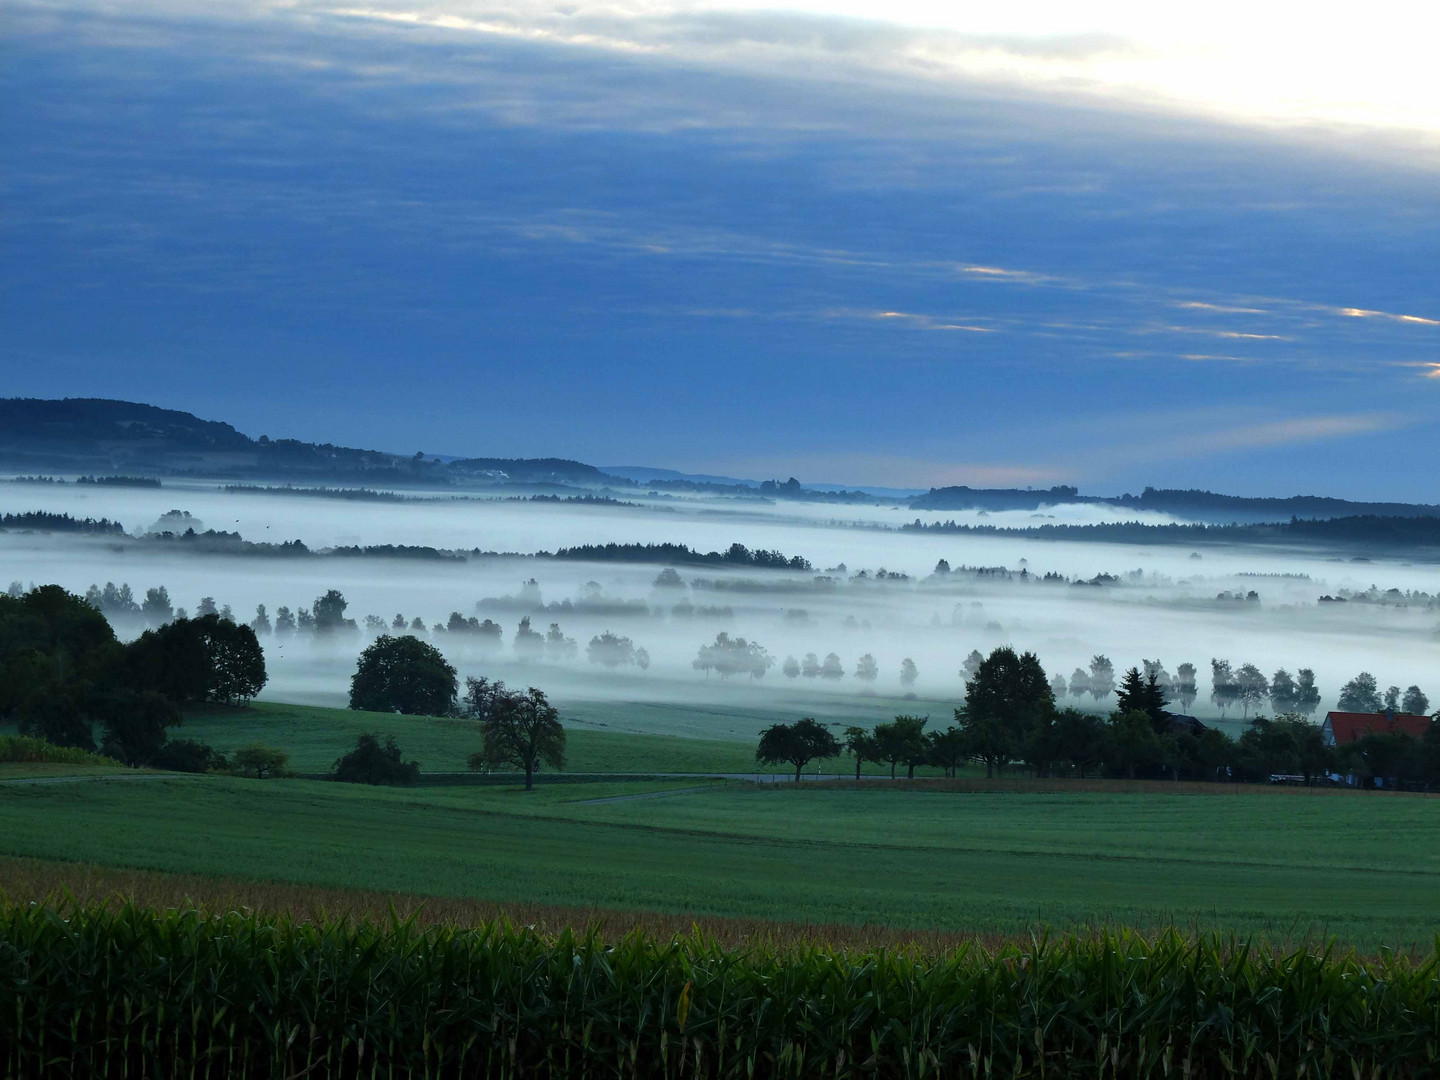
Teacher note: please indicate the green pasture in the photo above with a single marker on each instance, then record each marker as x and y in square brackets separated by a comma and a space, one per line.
[1362, 866]
[314, 736]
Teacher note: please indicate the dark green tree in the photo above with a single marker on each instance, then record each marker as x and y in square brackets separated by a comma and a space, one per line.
[52, 645]
[1251, 688]
[1132, 746]
[1312, 756]
[404, 675]
[202, 659]
[949, 749]
[521, 729]
[329, 614]
[134, 724]
[1284, 695]
[1143, 692]
[1361, 694]
[902, 740]
[796, 744]
[1005, 702]
[189, 756]
[372, 762]
[58, 717]
[1077, 740]
[862, 746]
[1430, 756]
[237, 662]
[1307, 694]
[261, 761]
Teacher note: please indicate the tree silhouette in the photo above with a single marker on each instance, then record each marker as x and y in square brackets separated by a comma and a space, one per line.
[521, 729]
[404, 675]
[1361, 694]
[796, 744]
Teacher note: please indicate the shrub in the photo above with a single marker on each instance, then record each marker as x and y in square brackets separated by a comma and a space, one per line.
[187, 755]
[56, 717]
[22, 748]
[371, 763]
[261, 761]
[134, 725]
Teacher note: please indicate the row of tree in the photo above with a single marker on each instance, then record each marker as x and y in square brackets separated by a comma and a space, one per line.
[1244, 687]
[1010, 717]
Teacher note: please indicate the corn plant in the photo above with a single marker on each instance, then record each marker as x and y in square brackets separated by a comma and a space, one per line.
[126, 991]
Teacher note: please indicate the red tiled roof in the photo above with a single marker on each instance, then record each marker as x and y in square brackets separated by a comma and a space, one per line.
[1350, 726]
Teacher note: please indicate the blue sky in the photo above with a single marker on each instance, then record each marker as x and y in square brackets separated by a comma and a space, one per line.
[734, 240]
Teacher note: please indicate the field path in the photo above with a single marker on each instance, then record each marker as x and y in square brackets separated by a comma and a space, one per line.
[83, 778]
[644, 795]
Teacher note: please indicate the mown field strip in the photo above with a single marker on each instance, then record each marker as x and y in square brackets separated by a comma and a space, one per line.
[545, 848]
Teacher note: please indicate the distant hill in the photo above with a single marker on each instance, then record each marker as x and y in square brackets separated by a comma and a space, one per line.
[98, 435]
[1206, 506]
[643, 474]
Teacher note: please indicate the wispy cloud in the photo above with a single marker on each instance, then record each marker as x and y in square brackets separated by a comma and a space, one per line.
[1233, 335]
[930, 322]
[1363, 313]
[1297, 72]
[893, 470]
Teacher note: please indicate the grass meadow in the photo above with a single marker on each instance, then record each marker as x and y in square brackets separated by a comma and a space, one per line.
[314, 736]
[1280, 864]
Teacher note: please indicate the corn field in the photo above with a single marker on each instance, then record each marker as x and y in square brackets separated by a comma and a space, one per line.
[26, 749]
[127, 991]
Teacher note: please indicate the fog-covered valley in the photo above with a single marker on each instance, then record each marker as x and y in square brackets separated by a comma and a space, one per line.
[871, 591]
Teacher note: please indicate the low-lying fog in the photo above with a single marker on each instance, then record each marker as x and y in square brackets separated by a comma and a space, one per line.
[1163, 606]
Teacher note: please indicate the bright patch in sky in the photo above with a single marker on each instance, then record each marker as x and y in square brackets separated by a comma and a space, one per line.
[1328, 63]
[903, 243]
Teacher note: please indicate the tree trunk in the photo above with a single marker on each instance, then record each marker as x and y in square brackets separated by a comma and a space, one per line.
[989, 769]
[892, 770]
[911, 774]
[857, 766]
[798, 766]
[529, 776]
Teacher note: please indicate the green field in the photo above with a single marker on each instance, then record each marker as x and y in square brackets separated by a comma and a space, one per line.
[315, 736]
[1280, 863]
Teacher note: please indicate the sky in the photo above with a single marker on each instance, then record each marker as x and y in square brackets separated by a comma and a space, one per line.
[903, 244]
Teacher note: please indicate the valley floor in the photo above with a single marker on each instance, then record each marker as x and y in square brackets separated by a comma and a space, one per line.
[1285, 864]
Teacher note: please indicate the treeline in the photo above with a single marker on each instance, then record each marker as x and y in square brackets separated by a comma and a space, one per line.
[1184, 502]
[573, 500]
[1369, 529]
[349, 494]
[63, 673]
[682, 554]
[41, 521]
[1010, 719]
[119, 481]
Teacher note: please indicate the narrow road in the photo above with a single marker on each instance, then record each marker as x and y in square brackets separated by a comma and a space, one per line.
[96, 778]
[643, 795]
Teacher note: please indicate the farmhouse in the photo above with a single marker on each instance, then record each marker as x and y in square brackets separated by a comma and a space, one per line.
[1341, 728]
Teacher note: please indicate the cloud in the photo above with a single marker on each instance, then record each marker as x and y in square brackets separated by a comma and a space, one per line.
[1316, 73]
[1206, 434]
[930, 322]
[1073, 454]
[1223, 309]
[890, 470]
[1364, 313]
